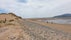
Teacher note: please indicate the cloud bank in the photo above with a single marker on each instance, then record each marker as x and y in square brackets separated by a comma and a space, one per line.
[36, 8]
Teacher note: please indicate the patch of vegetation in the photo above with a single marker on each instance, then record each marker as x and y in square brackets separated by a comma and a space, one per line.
[15, 15]
[20, 17]
[10, 24]
[12, 14]
[11, 20]
[2, 21]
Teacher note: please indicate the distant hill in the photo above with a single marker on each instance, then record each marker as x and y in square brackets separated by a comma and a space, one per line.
[63, 15]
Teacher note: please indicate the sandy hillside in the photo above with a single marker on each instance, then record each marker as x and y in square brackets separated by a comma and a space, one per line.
[13, 27]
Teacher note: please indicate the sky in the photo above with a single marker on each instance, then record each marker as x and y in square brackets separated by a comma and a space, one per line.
[35, 8]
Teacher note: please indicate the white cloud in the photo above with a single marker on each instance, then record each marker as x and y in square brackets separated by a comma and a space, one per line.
[34, 8]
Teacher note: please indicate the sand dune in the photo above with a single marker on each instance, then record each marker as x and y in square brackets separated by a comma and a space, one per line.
[13, 27]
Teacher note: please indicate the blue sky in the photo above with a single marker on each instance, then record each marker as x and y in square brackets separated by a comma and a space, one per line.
[3, 10]
[36, 8]
[22, 1]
